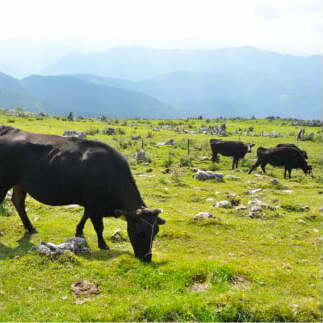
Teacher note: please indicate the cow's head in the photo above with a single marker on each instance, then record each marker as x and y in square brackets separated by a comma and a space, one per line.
[249, 147]
[143, 225]
[307, 169]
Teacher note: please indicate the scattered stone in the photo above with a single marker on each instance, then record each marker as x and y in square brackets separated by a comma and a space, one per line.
[109, 131]
[117, 236]
[254, 191]
[210, 199]
[74, 134]
[232, 177]
[251, 182]
[168, 142]
[287, 191]
[321, 209]
[301, 221]
[136, 137]
[224, 204]
[141, 156]
[76, 245]
[203, 216]
[304, 208]
[202, 175]
[241, 208]
[255, 208]
[255, 202]
[275, 181]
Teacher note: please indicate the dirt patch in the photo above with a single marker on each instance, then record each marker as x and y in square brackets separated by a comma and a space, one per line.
[199, 287]
[240, 282]
[82, 290]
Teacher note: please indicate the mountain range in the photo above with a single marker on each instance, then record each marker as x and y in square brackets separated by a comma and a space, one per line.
[129, 82]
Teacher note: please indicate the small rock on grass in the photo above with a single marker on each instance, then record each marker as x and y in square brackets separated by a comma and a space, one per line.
[275, 181]
[287, 191]
[117, 236]
[224, 204]
[241, 208]
[254, 191]
[203, 216]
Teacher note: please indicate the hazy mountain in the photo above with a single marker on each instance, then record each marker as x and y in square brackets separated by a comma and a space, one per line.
[13, 95]
[143, 82]
[62, 94]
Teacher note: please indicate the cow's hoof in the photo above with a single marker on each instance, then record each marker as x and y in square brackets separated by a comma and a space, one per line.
[32, 231]
[104, 247]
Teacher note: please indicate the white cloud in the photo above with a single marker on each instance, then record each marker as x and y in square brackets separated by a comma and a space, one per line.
[286, 25]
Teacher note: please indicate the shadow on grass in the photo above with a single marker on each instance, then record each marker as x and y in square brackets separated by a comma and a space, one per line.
[105, 254]
[24, 245]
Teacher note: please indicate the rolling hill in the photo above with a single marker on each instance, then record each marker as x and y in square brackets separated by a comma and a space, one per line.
[128, 82]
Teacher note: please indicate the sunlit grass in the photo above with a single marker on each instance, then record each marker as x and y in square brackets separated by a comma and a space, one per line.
[251, 269]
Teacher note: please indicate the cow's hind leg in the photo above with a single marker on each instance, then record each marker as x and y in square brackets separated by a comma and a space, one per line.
[80, 226]
[97, 221]
[215, 157]
[18, 200]
[263, 165]
[233, 163]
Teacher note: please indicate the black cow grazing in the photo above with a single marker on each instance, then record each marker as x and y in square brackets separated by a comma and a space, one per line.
[288, 157]
[303, 152]
[235, 149]
[58, 171]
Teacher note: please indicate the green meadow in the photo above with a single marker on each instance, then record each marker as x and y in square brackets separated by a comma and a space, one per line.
[232, 267]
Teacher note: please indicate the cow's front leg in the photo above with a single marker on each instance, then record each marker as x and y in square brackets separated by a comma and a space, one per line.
[80, 226]
[97, 221]
[18, 200]
[257, 163]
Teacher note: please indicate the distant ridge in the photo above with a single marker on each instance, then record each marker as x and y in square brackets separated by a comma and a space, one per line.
[128, 82]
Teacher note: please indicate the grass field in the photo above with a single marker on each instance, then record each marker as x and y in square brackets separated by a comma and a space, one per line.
[230, 268]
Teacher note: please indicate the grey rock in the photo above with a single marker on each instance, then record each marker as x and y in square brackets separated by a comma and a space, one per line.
[202, 175]
[74, 134]
[202, 216]
[275, 181]
[241, 208]
[224, 204]
[76, 245]
[117, 236]
[141, 156]
[254, 191]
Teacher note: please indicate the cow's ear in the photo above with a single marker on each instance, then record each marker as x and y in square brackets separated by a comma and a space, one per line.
[157, 211]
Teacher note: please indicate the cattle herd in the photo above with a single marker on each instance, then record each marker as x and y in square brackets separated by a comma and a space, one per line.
[57, 170]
